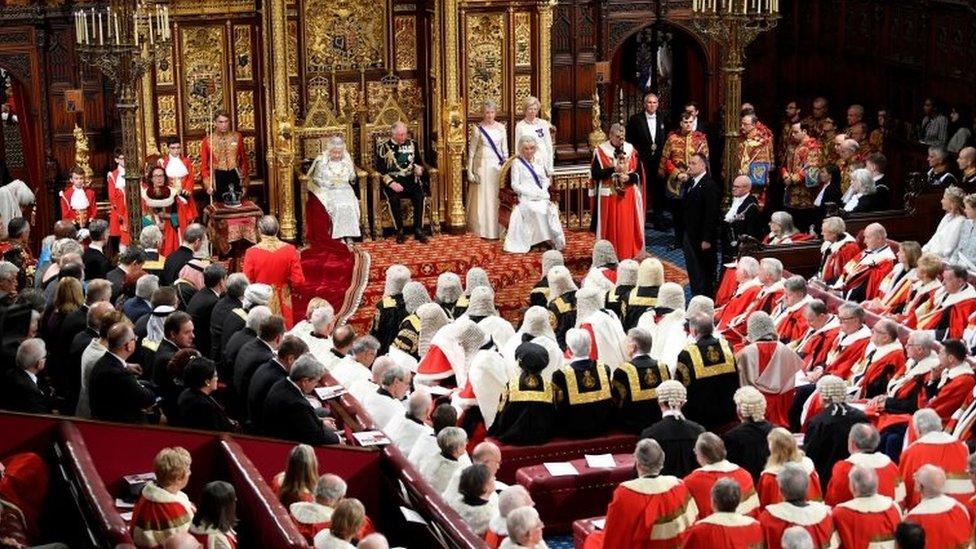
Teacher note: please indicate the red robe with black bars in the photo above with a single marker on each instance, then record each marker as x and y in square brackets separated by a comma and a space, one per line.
[789, 320]
[862, 276]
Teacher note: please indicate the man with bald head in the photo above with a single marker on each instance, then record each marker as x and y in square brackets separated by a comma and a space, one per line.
[742, 218]
[818, 118]
[400, 162]
[485, 453]
[868, 516]
[944, 519]
[860, 278]
[967, 165]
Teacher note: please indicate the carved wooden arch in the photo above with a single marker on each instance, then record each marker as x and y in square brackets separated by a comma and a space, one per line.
[633, 26]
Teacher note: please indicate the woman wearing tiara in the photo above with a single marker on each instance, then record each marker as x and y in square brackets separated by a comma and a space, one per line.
[330, 183]
[487, 152]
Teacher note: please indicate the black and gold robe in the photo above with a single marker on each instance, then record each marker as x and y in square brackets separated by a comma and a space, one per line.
[527, 412]
[640, 300]
[408, 337]
[707, 369]
[562, 316]
[635, 392]
[617, 298]
[390, 312]
[584, 401]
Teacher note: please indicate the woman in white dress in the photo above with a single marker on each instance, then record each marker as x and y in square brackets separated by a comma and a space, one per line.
[945, 241]
[535, 218]
[487, 152]
[330, 181]
[537, 128]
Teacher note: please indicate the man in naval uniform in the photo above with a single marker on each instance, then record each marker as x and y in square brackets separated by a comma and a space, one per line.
[400, 162]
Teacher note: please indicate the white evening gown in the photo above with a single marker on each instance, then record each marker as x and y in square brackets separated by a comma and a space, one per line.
[484, 168]
[535, 218]
[329, 182]
[539, 129]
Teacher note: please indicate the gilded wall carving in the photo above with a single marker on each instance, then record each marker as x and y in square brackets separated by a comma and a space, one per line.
[243, 66]
[292, 48]
[166, 111]
[484, 67]
[408, 95]
[192, 149]
[202, 55]
[349, 97]
[343, 33]
[164, 76]
[523, 39]
[405, 42]
[318, 87]
[523, 89]
[249, 145]
[245, 110]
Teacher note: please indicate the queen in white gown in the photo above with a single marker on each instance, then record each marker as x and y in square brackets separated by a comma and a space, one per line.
[535, 218]
[330, 181]
[538, 128]
[487, 152]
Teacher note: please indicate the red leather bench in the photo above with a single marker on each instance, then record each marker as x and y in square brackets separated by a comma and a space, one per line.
[582, 529]
[559, 449]
[563, 499]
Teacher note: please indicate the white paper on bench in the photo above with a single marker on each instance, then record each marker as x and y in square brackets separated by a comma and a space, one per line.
[332, 391]
[599, 524]
[561, 469]
[600, 461]
[411, 515]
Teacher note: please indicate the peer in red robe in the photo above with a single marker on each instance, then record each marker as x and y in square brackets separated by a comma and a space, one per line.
[920, 301]
[813, 516]
[118, 217]
[726, 531]
[768, 488]
[847, 350]
[862, 276]
[23, 489]
[881, 364]
[767, 297]
[727, 285]
[893, 291]
[816, 343]
[866, 522]
[946, 522]
[647, 513]
[745, 294]
[179, 175]
[954, 390]
[78, 201]
[771, 367]
[890, 483]
[834, 256]
[621, 203]
[277, 264]
[950, 312]
[159, 514]
[947, 452]
[790, 318]
[700, 482]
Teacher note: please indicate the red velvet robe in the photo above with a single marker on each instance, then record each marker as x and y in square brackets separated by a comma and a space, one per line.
[277, 264]
[771, 367]
[847, 350]
[840, 252]
[745, 294]
[814, 518]
[815, 344]
[765, 300]
[700, 481]
[648, 513]
[946, 522]
[726, 531]
[955, 389]
[950, 313]
[726, 287]
[622, 215]
[889, 478]
[159, 514]
[864, 273]
[186, 207]
[863, 521]
[768, 489]
[68, 214]
[880, 364]
[895, 289]
[920, 301]
[118, 217]
[947, 452]
[790, 322]
[24, 485]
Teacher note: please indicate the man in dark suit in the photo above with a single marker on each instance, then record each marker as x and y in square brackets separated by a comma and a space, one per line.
[192, 242]
[701, 217]
[79, 343]
[743, 218]
[177, 335]
[151, 239]
[267, 375]
[232, 299]
[646, 131]
[97, 265]
[131, 258]
[140, 304]
[202, 305]
[876, 163]
[256, 353]
[249, 333]
[19, 391]
[287, 412]
[115, 391]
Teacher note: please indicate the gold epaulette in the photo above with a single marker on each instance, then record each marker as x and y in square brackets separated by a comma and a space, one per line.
[241, 313]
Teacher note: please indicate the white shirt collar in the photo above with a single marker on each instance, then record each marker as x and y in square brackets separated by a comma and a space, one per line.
[31, 375]
[650, 116]
[672, 413]
[96, 246]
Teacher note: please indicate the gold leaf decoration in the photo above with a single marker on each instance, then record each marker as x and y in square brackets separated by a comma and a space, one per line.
[523, 39]
[204, 79]
[245, 110]
[166, 111]
[343, 33]
[242, 53]
[484, 38]
[405, 42]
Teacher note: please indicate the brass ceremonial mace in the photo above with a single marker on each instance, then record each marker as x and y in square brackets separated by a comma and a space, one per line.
[122, 39]
[733, 25]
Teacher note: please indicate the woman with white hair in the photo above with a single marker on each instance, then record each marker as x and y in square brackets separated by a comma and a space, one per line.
[14, 197]
[487, 152]
[535, 219]
[862, 192]
[524, 530]
[330, 180]
[782, 230]
[533, 126]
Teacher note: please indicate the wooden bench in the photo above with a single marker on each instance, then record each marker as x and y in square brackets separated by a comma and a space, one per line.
[559, 449]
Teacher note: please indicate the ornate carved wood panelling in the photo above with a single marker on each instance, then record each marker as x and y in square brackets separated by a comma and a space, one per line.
[523, 88]
[243, 64]
[292, 48]
[574, 52]
[164, 69]
[407, 95]
[485, 60]
[523, 39]
[245, 110]
[906, 34]
[166, 115]
[405, 42]
[319, 86]
[955, 40]
[203, 53]
[343, 31]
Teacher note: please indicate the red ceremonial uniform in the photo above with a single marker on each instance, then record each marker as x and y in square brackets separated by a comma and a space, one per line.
[946, 522]
[834, 256]
[768, 489]
[678, 150]
[82, 216]
[862, 276]
[726, 287]
[179, 174]
[700, 481]
[745, 294]
[894, 290]
[277, 264]
[789, 320]
[920, 300]
[648, 513]
[621, 214]
[948, 313]
[863, 522]
[814, 518]
[227, 152]
[889, 478]
[947, 452]
[726, 531]
[118, 219]
[158, 515]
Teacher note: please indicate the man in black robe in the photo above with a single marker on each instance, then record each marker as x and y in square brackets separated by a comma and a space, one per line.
[635, 384]
[232, 299]
[746, 444]
[390, 309]
[826, 438]
[527, 413]
[584, 404]
[675, 434]
[562, 303]
[707, 368]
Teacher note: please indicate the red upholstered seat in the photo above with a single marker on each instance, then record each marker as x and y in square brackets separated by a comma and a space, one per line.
[582, 529]
[561, 500]
[559, 449]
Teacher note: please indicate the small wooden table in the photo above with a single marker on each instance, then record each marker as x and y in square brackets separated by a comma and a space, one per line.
[232, 230]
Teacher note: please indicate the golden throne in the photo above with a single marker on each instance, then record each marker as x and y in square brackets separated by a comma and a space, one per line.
[372, 134]
[321, 125]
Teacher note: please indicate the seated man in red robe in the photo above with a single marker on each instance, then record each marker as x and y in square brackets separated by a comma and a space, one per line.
[788, 315]
[838, 248]
[884, 358]
[823, 329]
[650, 511]
[795, 510]
[311, 517]
[770, 366]
[163, 509]
[710, 452]
[949, 309]
[869, 517]
[747, 286]
[950, 384]
[725, 528]
[860, 279]
[771, 275]
[935, 446]
[24, 481]
[277, 264]
[862, 443]
[944, 519]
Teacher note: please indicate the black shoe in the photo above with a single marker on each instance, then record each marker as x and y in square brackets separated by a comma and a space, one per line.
[401, 238]
[421, 237]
